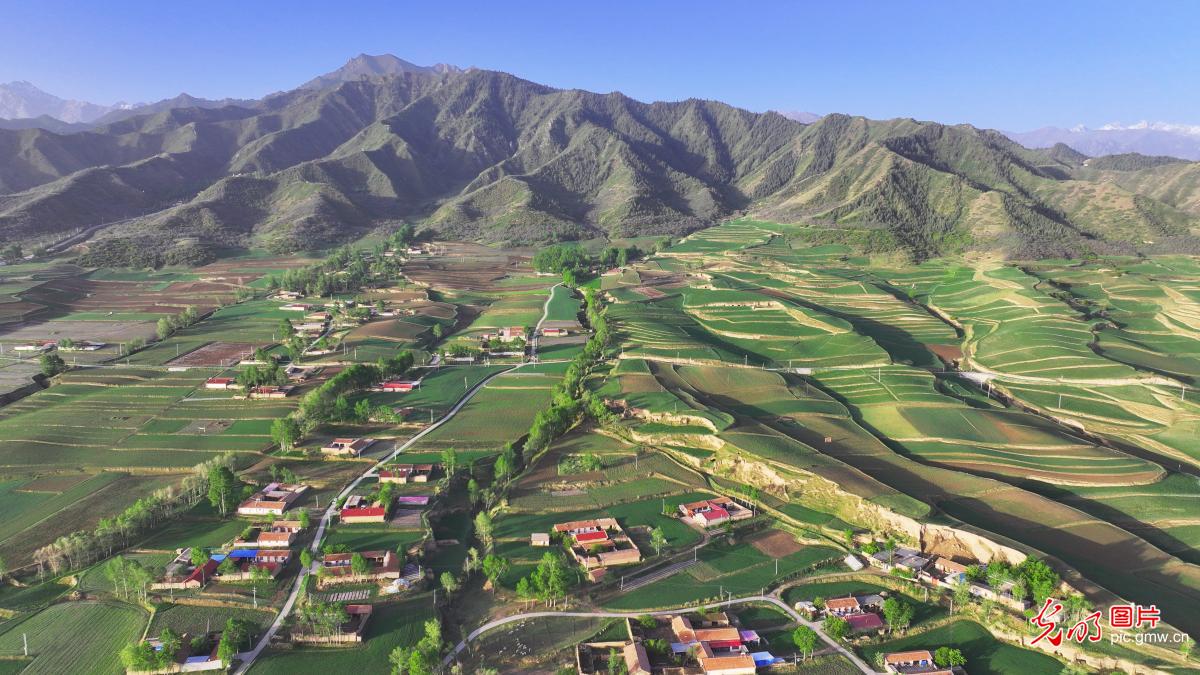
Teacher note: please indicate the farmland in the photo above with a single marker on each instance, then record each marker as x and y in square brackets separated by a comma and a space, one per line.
[973, 407]
[97, 631]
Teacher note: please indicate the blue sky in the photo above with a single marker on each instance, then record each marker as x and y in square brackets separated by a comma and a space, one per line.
[1010, 65]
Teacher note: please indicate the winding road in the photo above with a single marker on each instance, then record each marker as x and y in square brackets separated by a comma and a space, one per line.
[248, 658]
[795, 616]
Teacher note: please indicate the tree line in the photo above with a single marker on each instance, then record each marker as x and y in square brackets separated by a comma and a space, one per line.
[84, 547]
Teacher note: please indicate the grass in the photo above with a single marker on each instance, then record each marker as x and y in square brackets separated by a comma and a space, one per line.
[94, 631]
[564, 306]
[195, 619]
[984, 653]
[739, 569]
[392, 625]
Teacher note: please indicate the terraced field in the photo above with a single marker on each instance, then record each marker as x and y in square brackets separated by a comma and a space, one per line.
[1063, 452]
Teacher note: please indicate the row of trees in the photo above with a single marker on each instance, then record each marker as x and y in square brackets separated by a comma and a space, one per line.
[328, 402]
[343, 271]
[169, 324]
[573, 259]
[85, 547]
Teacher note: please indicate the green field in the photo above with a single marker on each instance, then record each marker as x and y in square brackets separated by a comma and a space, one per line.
[739, 569]
[392, 625]
[95, 631]
[985, 655]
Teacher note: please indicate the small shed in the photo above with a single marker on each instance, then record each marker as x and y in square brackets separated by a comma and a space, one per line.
[539, 539]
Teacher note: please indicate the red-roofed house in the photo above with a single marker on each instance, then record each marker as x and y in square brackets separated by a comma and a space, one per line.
[398, 385]
[712, 512]
[221, 383]
[197, 577]
[864, 623]
[358, 510]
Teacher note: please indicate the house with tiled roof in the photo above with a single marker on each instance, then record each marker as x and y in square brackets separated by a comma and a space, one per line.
[336, 568]
[273, 499]
[598, 544]
[714, 512]
[406, 473]
[279, 534]
[347, 447]
[359, 509]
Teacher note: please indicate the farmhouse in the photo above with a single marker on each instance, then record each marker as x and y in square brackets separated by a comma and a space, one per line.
[598, 544]
[83, 346]
[842, 606]
[511, 333]
[554, 332]
[911, 662]
[245, 560]
[381, 566]
[719, 648]
[864, 623]
[902, 557]
[347, 447]
[946, 571]
[713, 512]
[34, 347]
[181, 574]
[540, 539]
[279, 534]
[406, 473]
[271, 391]
[351, 631]
[221, 383]
[399, 385]
[274, 499]
[358, 510]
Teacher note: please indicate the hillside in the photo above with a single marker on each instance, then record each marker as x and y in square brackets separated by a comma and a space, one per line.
[484, 155]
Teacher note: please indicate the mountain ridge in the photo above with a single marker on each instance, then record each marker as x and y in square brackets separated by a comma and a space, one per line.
[489, 156]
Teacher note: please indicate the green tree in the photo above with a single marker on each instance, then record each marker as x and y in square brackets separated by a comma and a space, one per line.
[1186, 647]
[494, 567]
[285, 431]
[223, 487]
[960, 595]
[358, 564]
[304, 517]
[805, 640]
[449, 582]
[163, 328]
[198, 556]
[306, 559]
[483, 529]
[449, 461]
[899, 614]
[835, 627]
[658, 539]
[948, 657]
[52, 364]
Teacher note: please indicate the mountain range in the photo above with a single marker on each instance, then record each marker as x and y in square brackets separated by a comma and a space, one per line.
[1146, 138]
[488, 156]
